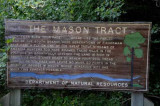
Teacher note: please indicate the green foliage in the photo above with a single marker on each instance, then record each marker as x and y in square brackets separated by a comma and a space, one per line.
[155, 29]
[115, 9]
[138, 53]
[133, 40]
[156, 90]
[3, 64]
[128, 59]
[154, 74]
[68, 10]
[72, 98]
[126, 51]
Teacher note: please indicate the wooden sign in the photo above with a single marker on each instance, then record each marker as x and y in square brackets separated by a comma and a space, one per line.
[74, 55]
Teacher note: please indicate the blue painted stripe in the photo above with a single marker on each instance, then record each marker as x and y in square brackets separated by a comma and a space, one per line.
[67, 77]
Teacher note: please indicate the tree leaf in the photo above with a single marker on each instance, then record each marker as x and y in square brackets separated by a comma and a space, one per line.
[138, 53]
[9, 40]
[134, 39]
[128, 59]
[126, 51]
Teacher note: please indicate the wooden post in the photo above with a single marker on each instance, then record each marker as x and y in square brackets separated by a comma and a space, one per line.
[137, 99]
[15, 97]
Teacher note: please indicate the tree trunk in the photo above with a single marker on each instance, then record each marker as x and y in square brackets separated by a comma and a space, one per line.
[132, 60]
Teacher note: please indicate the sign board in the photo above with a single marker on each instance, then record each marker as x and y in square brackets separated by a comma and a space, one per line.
[78, 55]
